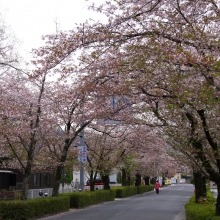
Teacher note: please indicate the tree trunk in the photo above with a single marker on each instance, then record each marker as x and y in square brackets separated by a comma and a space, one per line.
[147, 180]
[153, 180]
[199, 185]
[128, 183]
[138, 180]
[57, 181]
[92, 180]
[105, 179]
[217, 208]
[163, 181]
[204, 186]
[118, 180]
[25, 186]
[123, 177]
[25, 183]
[92, 183]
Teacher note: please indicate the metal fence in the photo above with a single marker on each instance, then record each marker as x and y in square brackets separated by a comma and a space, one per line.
[35, 193]
[74, 187]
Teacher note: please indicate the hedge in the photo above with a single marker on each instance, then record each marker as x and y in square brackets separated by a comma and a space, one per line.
[144, 188]
[126, 191]
[83, 199]
[33, 207]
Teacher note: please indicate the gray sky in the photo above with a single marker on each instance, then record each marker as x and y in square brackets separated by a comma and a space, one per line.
[30, 19]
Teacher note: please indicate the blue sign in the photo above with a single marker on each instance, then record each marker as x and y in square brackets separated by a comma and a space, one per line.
[120, 103]
[82, 154]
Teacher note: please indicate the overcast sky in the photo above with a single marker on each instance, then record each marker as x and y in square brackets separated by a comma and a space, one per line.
[30, 19]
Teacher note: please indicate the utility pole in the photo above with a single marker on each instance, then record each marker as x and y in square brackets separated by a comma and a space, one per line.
[82, 143]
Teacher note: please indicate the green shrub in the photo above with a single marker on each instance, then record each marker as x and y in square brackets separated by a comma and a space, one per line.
[125, 191]
[33, 207]
[144, 188]
[201, 211]
[104, 195]
[78, 199]
[83, 199]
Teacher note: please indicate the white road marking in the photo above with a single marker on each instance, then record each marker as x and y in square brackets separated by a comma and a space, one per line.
[119, 213]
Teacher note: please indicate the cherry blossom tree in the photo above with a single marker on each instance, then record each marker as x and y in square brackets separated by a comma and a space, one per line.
[21, 130]
[105, 144]
[16, 110]
[125, 147]
[176, 47]
[163, 55]
[69, 115]
[8, 62]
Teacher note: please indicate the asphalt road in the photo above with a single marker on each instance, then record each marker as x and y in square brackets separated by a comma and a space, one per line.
[167, 205]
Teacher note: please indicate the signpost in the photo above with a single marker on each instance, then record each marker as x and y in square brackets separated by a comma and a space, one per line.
[82, 158]
[82, 154]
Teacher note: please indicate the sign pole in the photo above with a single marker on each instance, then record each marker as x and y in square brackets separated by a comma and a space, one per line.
[82, 166]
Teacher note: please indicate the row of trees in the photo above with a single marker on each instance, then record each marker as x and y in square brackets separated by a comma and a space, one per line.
[133, 150]
[160, 57]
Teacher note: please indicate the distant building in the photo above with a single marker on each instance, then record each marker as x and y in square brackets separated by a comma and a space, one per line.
[11, 179]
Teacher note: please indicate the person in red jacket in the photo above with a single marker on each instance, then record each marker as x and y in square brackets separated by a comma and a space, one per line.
[157, 186]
